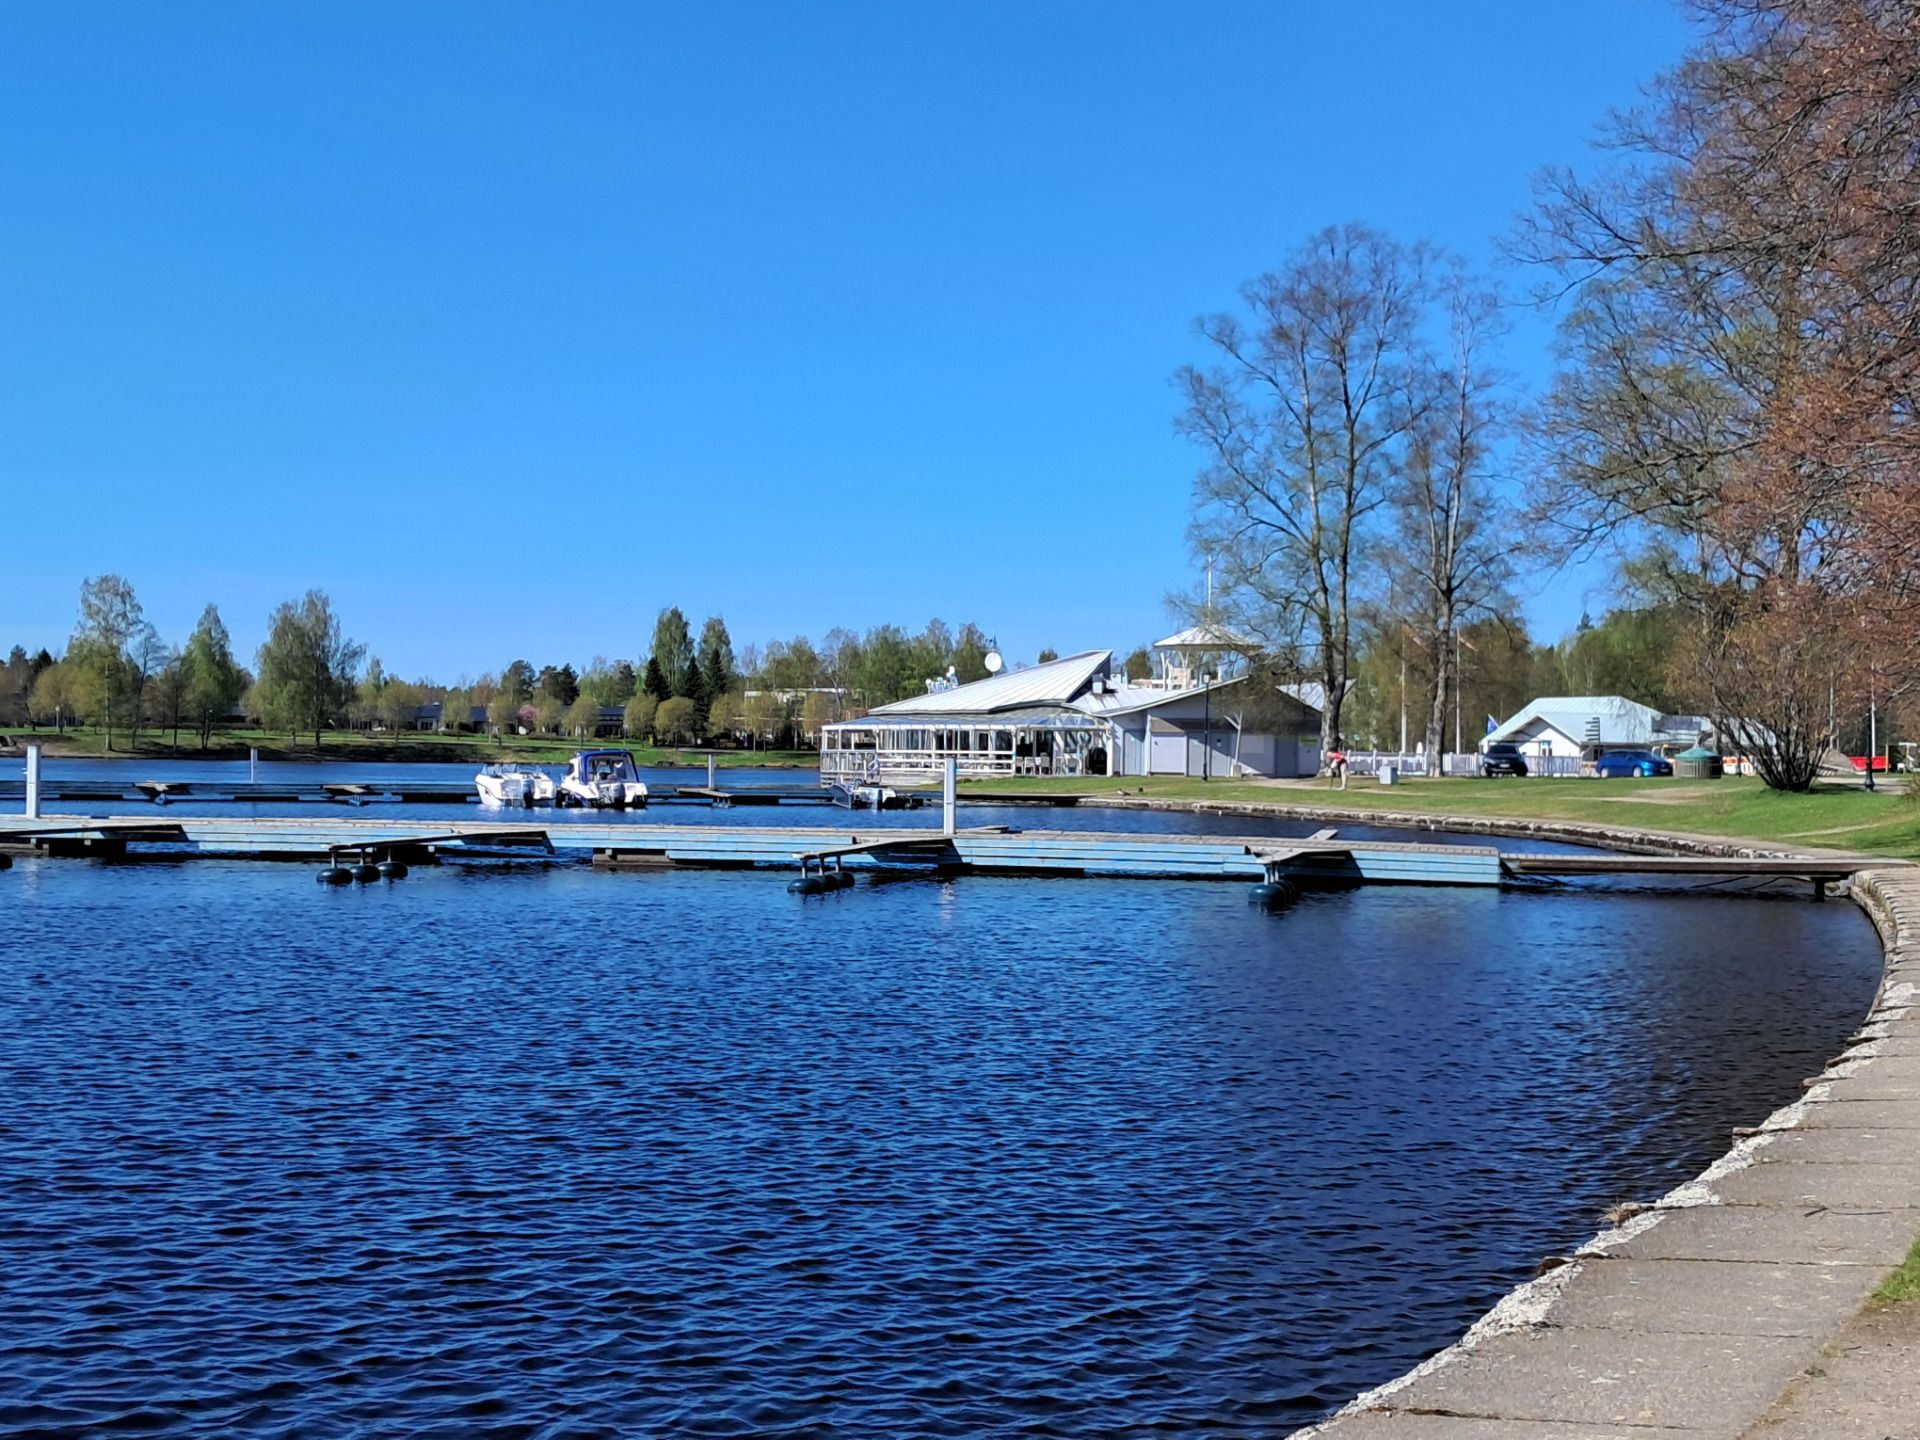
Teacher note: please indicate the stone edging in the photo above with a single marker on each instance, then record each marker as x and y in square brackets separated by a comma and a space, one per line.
[1692, 1315]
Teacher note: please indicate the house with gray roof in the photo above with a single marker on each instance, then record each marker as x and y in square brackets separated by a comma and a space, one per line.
[1578, 726]
[1074, 716]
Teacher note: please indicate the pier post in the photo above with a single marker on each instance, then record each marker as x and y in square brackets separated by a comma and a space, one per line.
[253, 765]
[710, 760]
[948, 781]
[33, 779]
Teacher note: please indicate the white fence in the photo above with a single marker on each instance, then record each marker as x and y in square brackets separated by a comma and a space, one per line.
[1368, 762]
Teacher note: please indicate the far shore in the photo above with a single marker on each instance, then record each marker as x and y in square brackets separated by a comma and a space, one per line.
[355, 748]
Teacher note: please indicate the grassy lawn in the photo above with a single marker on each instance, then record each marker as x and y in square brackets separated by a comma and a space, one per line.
[1904, 1283]
[414, 747]
[1841, 817]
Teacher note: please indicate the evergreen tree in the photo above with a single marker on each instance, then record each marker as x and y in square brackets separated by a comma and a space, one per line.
[655, 684]
[696, 691]
[517, 681]
[716, 657]
[673, 648]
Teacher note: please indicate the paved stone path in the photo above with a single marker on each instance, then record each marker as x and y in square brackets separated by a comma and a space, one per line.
[1731, 1309]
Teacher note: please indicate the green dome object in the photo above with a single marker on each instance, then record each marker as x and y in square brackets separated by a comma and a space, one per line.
[1697, 752]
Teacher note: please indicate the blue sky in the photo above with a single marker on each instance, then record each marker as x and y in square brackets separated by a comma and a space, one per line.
[508, 325]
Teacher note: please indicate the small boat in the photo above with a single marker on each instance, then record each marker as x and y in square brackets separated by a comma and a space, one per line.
[604, 780]
[515, 785]
[878, 797]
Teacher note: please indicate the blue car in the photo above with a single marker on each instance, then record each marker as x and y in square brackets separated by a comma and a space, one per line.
[1636, 764]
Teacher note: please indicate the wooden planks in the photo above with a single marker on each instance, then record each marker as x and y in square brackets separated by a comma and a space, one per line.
[996, 850]
[1798, 866]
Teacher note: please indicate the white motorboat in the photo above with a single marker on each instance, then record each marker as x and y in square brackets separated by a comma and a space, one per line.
[603, 779]
[878, 797]
[515, 785]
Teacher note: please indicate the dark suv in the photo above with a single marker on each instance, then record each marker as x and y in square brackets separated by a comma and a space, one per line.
[1503, 758]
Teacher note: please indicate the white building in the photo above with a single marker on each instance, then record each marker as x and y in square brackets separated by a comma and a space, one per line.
[1577, 726]
[1073, 717]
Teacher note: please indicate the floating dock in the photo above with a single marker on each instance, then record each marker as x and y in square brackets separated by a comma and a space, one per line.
[987, 851]
[1319, 860]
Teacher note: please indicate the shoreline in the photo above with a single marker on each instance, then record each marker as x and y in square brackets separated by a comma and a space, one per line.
[1699, 1310]
[680, 758]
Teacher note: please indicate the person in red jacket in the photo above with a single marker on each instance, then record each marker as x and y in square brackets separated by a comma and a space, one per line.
[1337, 766]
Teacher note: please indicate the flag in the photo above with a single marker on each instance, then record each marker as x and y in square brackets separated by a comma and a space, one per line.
[1492, 724]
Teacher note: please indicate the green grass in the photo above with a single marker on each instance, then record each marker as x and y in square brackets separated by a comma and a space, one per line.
[1903, 1284]
[415, 747]
[1840, 817]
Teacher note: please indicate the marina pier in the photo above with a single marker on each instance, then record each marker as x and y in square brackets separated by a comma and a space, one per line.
[1319, 860]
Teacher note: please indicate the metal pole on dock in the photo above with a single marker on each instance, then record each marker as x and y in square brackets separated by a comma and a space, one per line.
[948, 782]
[33, 779]
[253, 765]
[710, 781]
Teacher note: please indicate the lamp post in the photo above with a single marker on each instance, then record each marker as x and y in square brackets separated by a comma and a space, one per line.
[1206, 751]
[1873, 730]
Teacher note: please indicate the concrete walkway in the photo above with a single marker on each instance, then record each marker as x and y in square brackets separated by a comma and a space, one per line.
[1864, 1385]
[1732, 1308]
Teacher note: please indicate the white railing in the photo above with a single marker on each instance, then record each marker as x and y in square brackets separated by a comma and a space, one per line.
[866, 767]
[1369, 762]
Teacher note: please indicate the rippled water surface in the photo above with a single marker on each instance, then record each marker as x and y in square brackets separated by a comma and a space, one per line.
[552, 1152]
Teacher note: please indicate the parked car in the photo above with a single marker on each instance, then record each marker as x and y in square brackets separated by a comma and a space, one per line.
[1503, 758]
[1641, 763]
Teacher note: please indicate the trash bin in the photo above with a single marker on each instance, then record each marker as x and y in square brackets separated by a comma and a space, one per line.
[1389, 774]
[1699, 763]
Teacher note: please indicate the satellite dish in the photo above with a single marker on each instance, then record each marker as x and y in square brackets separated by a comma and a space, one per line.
[993, 662]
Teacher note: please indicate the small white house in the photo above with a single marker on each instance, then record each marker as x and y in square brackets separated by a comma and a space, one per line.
[1575, 726]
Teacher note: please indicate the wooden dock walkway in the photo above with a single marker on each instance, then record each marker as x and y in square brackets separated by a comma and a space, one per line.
[1320, 859]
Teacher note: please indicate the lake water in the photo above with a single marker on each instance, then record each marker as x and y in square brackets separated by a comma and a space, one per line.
[542, 1151]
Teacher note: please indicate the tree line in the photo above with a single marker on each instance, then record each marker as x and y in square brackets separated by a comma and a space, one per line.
[1731, 422]
[309, 676]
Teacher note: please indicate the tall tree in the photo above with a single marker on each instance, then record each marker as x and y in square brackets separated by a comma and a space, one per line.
[517, 681]
[307, 666]
[970, 649]
[213, 681]
[16, 688]
[1300, 420]
[148, 657]
[110, 620]
[169, 691]
[1735, 410]
[673, 648]
[1449, 539]
[655, 685]
[716, 658]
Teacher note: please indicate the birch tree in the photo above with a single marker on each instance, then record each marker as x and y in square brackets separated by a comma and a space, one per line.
[307, 667]
[1449, 543]
[1300, 420]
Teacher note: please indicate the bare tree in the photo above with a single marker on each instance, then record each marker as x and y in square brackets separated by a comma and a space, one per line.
[1449, 544]
[1301, 420]
[1743, 352]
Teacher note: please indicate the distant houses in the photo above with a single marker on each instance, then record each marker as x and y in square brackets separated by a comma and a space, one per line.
[1581, 726]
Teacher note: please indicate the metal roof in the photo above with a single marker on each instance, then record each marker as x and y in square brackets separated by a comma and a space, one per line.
[1057, 682]
[1204, 637]
[1622, 721]
[1045, 717]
